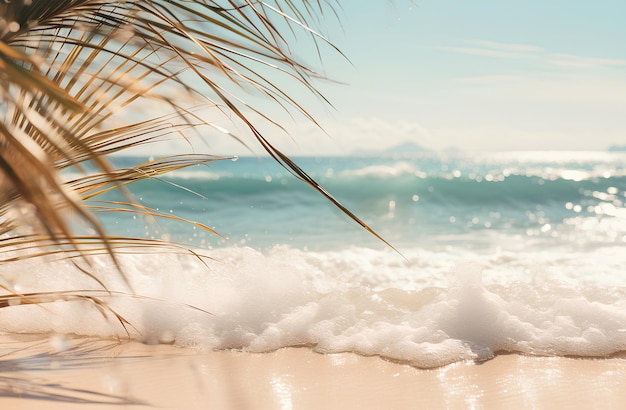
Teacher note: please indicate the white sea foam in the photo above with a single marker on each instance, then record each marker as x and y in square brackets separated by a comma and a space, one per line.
[385, 171]
[429, 309]
[494, 168]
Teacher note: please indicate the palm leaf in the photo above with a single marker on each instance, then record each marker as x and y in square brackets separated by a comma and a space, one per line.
[76, 73]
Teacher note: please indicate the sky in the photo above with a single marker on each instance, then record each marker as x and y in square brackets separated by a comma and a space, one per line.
[482, 75]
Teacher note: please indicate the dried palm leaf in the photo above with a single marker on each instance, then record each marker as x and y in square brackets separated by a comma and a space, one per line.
[75, 75]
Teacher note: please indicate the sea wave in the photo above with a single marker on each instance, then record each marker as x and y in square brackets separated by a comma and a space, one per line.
[385, 170]
[561, 186]
[501, 253]
[429, 309]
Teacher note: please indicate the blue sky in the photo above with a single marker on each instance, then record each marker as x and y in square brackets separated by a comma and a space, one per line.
[476, 75]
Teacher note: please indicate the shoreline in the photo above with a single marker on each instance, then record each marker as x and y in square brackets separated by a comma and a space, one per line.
[56, 373]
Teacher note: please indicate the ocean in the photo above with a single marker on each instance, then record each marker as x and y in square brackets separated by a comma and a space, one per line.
[520, 252]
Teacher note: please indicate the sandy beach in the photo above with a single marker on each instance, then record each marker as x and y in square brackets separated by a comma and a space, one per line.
[57, 373]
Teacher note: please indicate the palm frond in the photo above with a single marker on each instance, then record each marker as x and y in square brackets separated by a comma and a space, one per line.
[76, 75]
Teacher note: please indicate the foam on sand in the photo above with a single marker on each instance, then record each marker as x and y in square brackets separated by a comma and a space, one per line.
[360, 300]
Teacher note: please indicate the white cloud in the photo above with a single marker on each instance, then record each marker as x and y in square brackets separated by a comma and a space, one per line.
[505, 138]
[495, 49]
[554, 88]
[554, 77]
[492, 79]
[484, 52]
[345, 137]
[571, 60]
[339, 137]
[505, 46]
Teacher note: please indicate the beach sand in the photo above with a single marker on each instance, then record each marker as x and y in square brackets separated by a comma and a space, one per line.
[60, 373]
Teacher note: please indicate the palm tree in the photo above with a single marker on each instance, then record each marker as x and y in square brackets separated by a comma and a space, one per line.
[75, 76]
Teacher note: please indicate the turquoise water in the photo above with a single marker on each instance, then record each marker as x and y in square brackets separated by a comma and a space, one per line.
[570, 200]
[497, 252]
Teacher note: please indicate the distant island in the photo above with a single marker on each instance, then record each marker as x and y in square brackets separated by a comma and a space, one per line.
[617, 148]
[406, 148]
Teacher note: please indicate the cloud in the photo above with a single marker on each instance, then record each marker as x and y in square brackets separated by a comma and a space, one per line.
[572, 60]
[512, 47]
[342, 137]
[338, 138]
[495, 49]
[354, 134]
[484, 52]
[489, 138]
[564, 89]
[492, 79]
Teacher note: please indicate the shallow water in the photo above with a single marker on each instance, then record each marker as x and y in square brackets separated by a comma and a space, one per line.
[522, 252]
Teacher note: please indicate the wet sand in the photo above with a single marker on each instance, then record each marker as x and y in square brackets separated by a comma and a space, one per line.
[58, 373]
